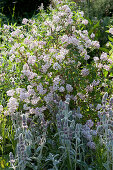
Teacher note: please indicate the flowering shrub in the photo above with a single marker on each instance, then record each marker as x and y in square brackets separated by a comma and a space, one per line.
[45, 64]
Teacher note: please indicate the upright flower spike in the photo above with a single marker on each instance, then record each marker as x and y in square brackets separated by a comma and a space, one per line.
[104, 98]
[24, 122]
[12, 160]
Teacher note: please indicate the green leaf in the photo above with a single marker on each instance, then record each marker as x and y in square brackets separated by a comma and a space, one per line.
[110, 39]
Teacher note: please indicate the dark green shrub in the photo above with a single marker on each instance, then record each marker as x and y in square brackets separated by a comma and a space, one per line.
[18, 9]
[96, 8]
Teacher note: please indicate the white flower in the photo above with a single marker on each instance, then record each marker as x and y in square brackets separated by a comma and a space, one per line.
[32, 60]
[96, 44]
[48, 97]
[34, 101]
[69, 88]
[111, 31]
[107, 44]
[96, 59]
[61, 89]
[41, 7]
[86, 57]
[22, 49]
[56, 66]
[100, 65]
[12, 104]
[40, 89]
[56, 18]
[24, 21]
[99, 106]
[25, 107]
[103, 56]
[81, 13]
[81, 96]
[1, 108]
[85, 22]
[10, 92]
[89, 123]
[92, 35]
[21, 36]
[84, 72]
[106, 67]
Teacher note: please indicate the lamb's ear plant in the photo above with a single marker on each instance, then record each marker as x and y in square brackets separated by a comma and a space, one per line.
[30, 142]
[105, 129]
[73, 138]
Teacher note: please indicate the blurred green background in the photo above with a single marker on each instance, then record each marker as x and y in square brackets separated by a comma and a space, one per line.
[15, 10]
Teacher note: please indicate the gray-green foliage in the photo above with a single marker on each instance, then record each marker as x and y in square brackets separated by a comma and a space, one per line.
[73, 138]
[30, 142]
[105, 129]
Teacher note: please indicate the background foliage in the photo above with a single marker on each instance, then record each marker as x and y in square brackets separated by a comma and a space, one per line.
[21, 8]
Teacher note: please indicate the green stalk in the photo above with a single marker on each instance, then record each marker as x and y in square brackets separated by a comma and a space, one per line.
[69, 161]
[76, 154]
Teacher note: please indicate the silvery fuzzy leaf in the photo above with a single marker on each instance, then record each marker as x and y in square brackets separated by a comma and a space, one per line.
[64, 112]
[28, 150]
[105, 97]
[62, 147]
[69, 114]
[60, 104]
[18, 131]
[32, 165]
[56, 162]
[93, 132]
[80, 145]
[72, 125]
[28, 134]
[67, 100]
[73, 152]
[79, 116]
[38, 149]
[110, 132]
[57, 134]
[78, 140]
[82, 163]
[20, 162]
[111, 101]
[78, 110]
[78, 127]
[100, 128]
[52, 157]
[108, 147]
[110, 112]
[28, 159]
[106, 165]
